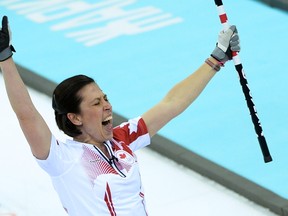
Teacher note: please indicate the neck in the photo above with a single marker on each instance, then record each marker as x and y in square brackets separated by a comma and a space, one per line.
[101, 145]
[88, 141]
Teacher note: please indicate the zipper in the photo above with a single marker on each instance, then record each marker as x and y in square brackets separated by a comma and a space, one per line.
[111, 160]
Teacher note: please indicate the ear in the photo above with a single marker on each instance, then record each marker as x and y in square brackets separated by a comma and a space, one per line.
[74, 118]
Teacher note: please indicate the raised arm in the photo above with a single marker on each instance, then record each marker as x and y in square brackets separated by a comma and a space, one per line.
[186, 91]
[32, 124]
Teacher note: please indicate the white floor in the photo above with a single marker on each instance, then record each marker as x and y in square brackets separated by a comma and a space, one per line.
[171, 189]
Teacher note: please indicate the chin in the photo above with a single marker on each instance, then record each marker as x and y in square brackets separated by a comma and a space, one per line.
[109, 137]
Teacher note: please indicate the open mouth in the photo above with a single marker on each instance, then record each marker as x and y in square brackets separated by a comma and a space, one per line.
[107, 121]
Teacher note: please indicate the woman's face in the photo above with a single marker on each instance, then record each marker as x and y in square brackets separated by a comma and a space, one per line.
[95, 115]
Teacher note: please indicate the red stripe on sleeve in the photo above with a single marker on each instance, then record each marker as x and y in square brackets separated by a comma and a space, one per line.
[128, 132]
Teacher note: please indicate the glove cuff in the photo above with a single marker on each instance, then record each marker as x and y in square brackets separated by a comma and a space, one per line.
[7, 53]
[219, 55]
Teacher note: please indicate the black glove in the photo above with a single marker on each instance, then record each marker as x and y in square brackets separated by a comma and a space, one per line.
[228, 41]
[6, 49]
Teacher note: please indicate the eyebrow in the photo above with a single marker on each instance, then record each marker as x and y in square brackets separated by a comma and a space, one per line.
[98, 98]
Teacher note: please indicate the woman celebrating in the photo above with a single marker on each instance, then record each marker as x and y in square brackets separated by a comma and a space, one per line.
[96, 171]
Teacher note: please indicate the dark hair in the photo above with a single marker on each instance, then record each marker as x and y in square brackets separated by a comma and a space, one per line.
[66, 99]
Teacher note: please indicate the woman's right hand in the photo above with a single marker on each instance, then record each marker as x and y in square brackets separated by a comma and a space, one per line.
[6, 49]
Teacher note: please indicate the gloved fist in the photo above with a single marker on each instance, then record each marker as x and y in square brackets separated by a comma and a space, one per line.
[228, 41]
[6, 48]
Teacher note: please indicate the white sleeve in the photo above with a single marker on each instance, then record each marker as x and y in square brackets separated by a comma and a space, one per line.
[58, 161]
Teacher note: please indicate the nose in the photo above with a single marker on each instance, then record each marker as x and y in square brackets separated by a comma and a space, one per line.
[107, 105]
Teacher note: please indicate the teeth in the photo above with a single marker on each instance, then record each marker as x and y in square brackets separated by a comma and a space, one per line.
[108, 118]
